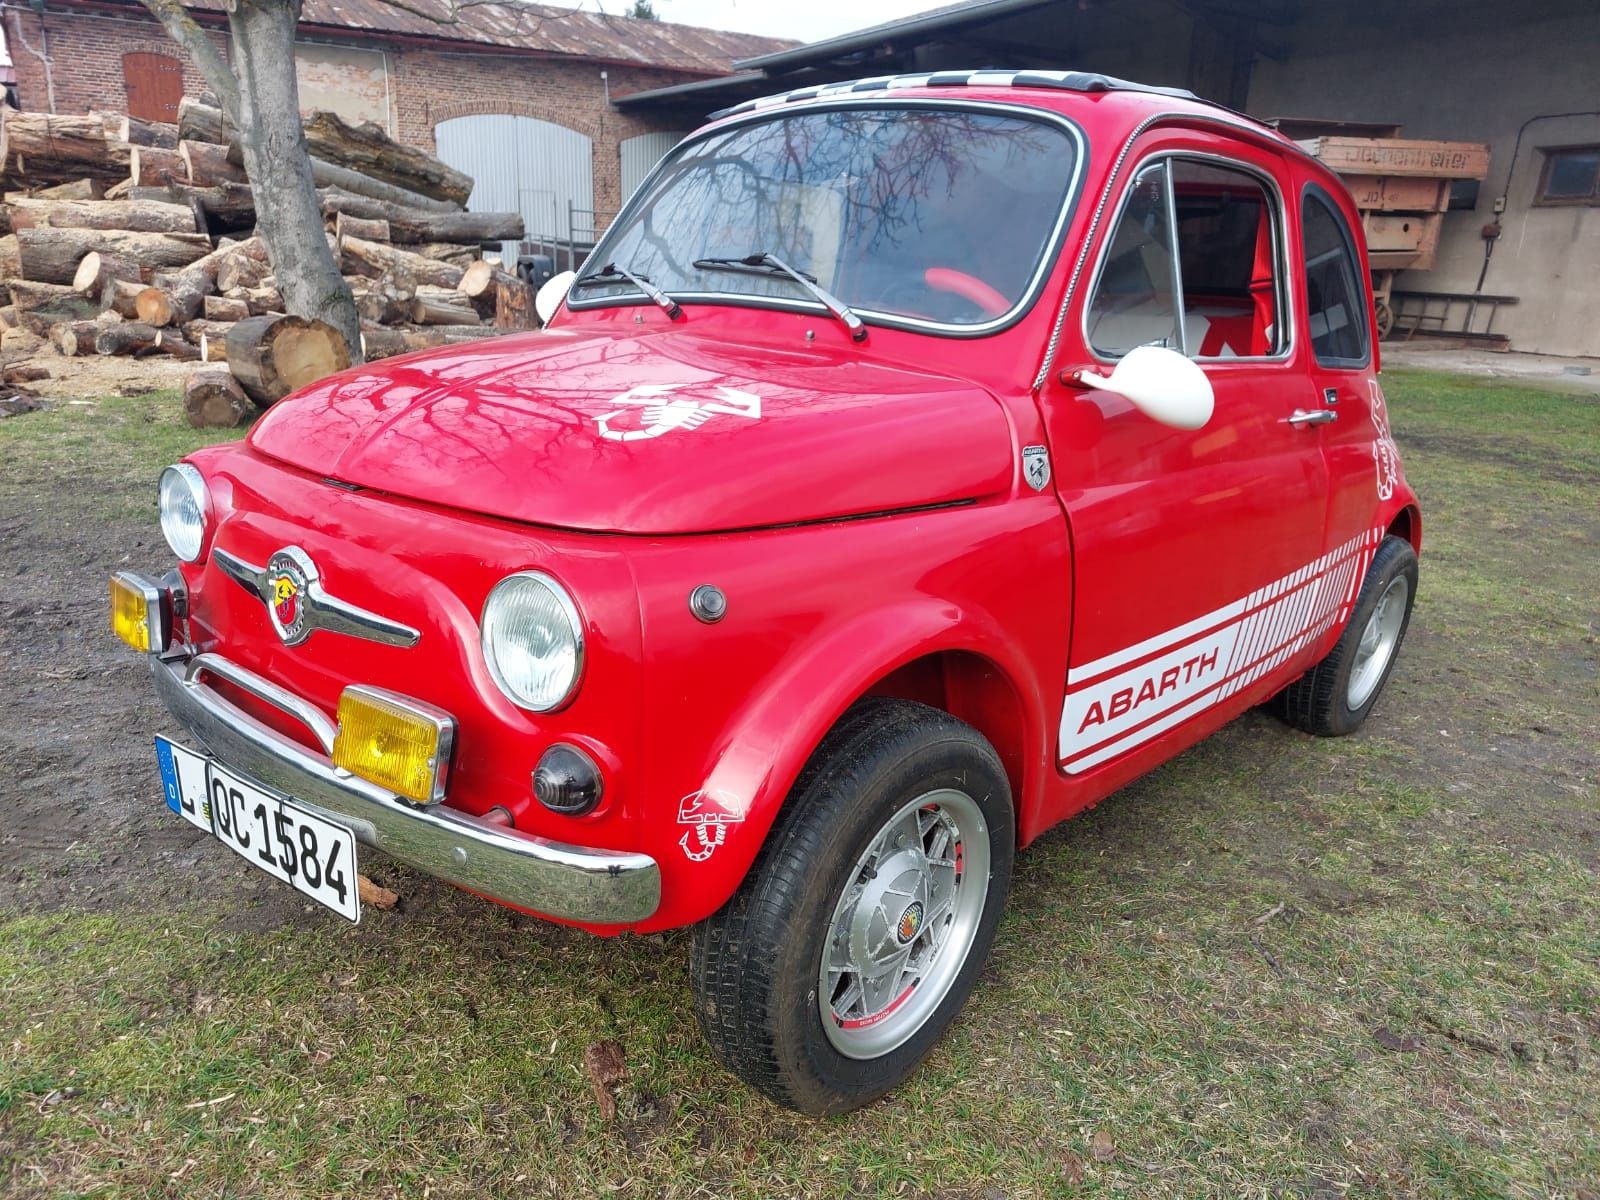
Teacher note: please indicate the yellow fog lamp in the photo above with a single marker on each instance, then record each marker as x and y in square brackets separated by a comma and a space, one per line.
[139, 613]
[395, 742]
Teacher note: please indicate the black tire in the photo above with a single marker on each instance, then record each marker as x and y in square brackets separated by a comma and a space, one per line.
[755, 963]
[1319, 702]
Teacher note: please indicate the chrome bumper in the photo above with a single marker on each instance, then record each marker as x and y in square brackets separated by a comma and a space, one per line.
[576, 883]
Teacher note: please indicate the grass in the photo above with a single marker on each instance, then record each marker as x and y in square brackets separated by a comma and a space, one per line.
[1276, 967]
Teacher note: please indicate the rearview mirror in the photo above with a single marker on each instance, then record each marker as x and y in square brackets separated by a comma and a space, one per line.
[550, 295]
[1161, 383]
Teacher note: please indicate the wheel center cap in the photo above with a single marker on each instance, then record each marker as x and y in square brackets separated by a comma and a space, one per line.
[910, 923]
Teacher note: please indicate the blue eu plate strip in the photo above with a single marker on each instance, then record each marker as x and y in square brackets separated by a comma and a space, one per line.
[169, 773]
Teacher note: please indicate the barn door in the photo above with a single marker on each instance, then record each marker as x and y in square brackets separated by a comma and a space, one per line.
[155, 85]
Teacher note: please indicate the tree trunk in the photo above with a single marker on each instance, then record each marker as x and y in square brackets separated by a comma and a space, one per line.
[205, 164]
[226, 206]
[121, 296]
[242, 270]
[161, 134]
[27, 296]
[213, 399]
[152, 167]
[382, 258]
[415, 225]
[203, 122]
[97, 268]
[225, 308]
[368, 149]
[141, 216]
[273, 356]
[442, 306]
[201, 328]
[53, 255]
[74, 338]
[42, 147]
[275, 158]
[127, 338]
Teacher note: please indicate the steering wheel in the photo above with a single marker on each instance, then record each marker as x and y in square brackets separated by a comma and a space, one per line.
[986, 299]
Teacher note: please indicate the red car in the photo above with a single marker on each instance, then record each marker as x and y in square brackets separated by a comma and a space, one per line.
[914, 463]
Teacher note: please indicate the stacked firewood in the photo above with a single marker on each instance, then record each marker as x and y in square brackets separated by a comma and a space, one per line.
[121, 236]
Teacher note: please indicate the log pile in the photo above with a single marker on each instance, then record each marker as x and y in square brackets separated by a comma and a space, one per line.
[129, 237]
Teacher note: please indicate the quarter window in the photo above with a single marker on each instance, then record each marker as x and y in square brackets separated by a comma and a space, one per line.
[1336, 300]
[1192, 266]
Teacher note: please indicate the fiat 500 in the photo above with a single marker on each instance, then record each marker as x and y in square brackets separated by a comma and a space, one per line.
[914, 463]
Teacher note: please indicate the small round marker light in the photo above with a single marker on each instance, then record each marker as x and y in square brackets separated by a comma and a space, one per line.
[708, 603]
[567, 781]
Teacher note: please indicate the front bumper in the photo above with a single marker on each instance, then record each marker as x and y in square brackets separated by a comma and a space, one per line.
[602, 887]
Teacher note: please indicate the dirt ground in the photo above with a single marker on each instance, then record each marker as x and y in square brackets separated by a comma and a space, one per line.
[1279, 965]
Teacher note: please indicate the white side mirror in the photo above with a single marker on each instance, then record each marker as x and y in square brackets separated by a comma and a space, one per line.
[550, 295]
[1161, 383]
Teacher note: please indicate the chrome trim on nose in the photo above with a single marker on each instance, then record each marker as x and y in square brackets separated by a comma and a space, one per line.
[322, 611]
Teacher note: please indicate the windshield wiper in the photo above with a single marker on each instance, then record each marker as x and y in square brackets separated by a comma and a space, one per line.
[768, 264]
[611, 272]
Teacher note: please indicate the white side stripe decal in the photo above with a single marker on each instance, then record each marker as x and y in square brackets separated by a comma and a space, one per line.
[1184, 671]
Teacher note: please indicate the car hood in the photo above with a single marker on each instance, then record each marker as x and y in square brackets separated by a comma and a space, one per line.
[651, 433]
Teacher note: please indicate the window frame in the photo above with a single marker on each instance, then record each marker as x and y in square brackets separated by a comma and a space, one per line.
[1044, 268]
[1324, 197]
[1551, 153]
[1285, 308]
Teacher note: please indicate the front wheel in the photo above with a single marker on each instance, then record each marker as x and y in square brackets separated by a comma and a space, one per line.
[861, 928]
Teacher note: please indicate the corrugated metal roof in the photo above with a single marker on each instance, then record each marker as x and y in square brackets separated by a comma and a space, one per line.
[541, 28]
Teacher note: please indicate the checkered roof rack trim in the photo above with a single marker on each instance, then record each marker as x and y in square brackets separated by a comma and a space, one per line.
[1069, 81]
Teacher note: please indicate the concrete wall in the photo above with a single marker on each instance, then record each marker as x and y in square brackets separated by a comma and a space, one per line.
[1472, 72]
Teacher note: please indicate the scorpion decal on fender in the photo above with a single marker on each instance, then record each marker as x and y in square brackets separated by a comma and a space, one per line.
[708, 817]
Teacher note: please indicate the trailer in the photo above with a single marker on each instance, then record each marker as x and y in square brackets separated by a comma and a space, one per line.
[1402, 187]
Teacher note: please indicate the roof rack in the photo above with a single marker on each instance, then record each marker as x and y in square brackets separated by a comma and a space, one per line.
[1071, 81]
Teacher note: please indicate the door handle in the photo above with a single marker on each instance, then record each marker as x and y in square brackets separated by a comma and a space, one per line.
[1319, 416]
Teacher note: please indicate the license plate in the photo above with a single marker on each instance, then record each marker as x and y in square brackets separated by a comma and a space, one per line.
[283, 838]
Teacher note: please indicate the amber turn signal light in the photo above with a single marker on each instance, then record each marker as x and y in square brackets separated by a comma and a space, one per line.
[137, 615]
[395, 742]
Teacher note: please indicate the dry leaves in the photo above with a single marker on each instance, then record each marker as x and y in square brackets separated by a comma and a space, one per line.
[374, 896]
[1102, 1146]
[607, 1069]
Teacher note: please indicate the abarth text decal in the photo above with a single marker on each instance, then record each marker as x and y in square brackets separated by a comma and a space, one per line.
[1126, 698]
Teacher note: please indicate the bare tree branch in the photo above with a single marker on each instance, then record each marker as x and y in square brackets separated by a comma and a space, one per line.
[184, 30]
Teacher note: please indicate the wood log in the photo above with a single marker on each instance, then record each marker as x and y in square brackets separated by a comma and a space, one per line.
[385, 343]
[161, 134]
[513, 305]
[226, 206]
[128, 338]
[369, 149]
[10, 257]
[144, 216]
[149, 166]
[24, 373]
[74, 338]
[26, 296]
[97, 268]
[202, 122]
[173, 344]
[121, 296]
[178, 297]
[213, 399]
[414, 225]
[258, 300]
[76, 189]
[373, 230]
[213, 349]
[450, 252]
[200, 327]
[53, 255]
[50, 148]
[380, 257]
[330, 175]
[225, 308]
[442, 306]
[119, 190]
[20, 343]
[272, 356]
[8, 316]
[482, 277]
[242, 271]
[205, 164]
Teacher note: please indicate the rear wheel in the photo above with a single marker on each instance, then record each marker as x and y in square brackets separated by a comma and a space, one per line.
[860, 930]
[1335, 696]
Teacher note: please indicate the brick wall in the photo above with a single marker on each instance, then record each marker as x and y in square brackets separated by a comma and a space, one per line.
[427, 85]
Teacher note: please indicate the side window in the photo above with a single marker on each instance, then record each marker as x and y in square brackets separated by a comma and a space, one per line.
[1193, 265]
[1335, 297]
[1228, 258]
[1136, 299]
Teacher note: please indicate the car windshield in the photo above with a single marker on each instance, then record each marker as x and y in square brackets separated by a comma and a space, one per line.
[939, 215]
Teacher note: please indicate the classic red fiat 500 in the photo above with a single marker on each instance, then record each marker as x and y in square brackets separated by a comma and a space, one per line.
[914, 463]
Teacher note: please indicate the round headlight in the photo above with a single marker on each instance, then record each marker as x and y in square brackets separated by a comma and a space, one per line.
[533, 640]
[184, 509]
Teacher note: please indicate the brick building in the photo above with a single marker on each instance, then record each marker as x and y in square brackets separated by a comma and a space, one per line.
[519, 95]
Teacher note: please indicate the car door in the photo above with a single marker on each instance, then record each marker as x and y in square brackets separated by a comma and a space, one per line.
[1363, 465]
[1195, 552]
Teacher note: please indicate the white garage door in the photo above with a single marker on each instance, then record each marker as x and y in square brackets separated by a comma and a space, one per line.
[518, 164]
[641, 154]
